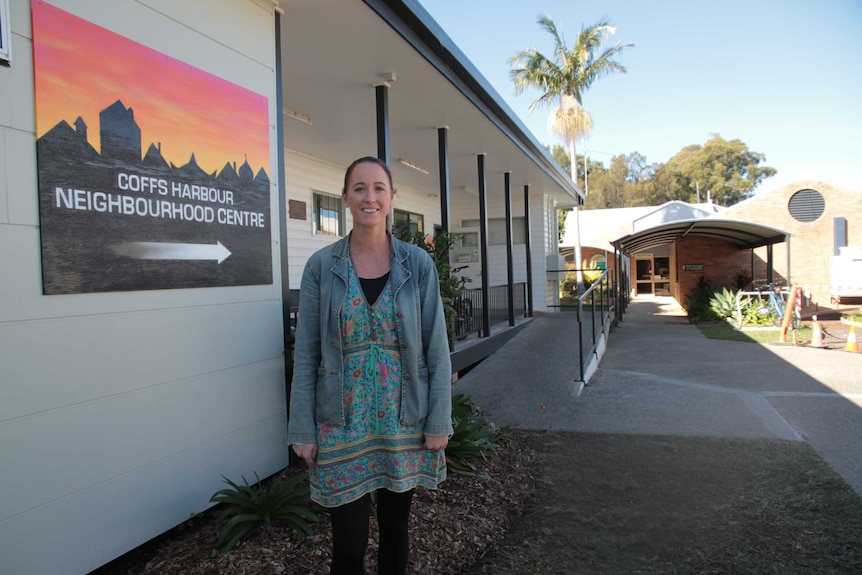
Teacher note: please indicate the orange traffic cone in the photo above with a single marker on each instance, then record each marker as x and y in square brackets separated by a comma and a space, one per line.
[817, 335]
[851, 344]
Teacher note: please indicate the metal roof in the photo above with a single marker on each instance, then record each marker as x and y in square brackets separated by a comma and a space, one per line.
[743, 234]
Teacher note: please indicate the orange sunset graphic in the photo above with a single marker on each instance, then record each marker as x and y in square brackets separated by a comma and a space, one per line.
[153, 174]
[81, 69]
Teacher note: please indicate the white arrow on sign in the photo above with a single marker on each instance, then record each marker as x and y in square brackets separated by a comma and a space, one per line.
[172, 251]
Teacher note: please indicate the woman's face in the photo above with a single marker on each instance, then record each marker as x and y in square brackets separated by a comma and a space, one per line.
[368, 195]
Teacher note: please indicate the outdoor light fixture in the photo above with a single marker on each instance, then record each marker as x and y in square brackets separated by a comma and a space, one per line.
[297, 115]
[414, 165]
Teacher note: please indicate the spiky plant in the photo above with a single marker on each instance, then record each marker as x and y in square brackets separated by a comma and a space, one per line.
[473, 438]
[250, 507]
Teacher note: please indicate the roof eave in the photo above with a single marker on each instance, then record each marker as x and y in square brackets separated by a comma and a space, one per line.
[417, 27]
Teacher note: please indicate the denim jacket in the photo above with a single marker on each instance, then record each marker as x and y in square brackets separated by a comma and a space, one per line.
[318, 376]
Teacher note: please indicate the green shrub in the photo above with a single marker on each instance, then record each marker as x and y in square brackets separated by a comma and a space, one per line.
[757, 314]
[251, 507]
[439, 249]
[590, 276]
[473, 438]
[696, 303]
[569, 284]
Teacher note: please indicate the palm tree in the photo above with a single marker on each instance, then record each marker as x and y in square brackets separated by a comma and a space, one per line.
[571, 121]
[562, 81]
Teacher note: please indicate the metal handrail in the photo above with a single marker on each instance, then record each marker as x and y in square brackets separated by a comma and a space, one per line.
[605, 315]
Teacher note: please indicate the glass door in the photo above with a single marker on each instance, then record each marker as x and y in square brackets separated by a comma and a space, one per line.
[652, 275]
[643, 275]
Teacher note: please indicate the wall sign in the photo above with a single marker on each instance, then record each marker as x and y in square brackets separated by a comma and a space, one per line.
[189, 210]
[692, 267]
[296, 210]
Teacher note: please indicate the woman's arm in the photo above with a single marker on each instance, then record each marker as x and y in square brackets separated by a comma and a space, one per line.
[435, 342]
[300, 424]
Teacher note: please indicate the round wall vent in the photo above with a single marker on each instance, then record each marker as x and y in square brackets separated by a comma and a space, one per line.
[806, 205]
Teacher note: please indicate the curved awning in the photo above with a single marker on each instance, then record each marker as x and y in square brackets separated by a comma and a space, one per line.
[743, 234]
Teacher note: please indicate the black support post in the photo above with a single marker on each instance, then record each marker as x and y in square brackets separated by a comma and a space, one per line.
[483, 245]
[770, 273]
[443, 160]
[510, 265]
[382, 99]
[529, 254]
[286, 300]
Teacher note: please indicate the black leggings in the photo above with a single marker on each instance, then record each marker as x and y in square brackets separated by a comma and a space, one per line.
[350, 534]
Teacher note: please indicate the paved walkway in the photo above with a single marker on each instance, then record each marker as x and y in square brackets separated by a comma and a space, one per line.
[660, 375]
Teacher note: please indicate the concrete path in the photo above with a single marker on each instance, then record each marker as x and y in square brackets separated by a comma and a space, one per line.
[660, 375]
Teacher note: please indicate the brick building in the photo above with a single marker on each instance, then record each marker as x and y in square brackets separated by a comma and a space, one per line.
[671, 246]
[817, 215]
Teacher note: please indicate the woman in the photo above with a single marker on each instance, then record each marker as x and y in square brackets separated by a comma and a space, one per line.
[370, 404]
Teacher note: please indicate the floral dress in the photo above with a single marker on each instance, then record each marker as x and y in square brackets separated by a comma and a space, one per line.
[373, 451]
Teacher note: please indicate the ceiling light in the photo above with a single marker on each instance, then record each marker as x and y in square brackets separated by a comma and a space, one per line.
[414, 165]
[297, 115]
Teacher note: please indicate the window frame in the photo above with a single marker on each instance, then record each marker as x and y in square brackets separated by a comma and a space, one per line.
[420, 219]
[497, 230]
[5, 33]
[316, 215]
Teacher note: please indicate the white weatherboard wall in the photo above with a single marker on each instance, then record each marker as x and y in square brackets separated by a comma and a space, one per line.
[550, 242]
[465, 207]
[119, 412]
[303, 176]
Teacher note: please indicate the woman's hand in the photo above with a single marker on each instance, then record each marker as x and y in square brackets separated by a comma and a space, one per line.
[307, 451]
[436, 442]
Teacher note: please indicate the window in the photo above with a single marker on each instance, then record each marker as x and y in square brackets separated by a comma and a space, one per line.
[414, 222]
[469, 240]
[497, 230]
[5, 36]
[327, 217]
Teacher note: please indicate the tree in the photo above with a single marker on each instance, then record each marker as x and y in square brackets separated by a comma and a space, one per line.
[570, 121]
[559, 154]
[563, 79]
[728, 172]
[608, 188]
[655, 190]
[638, 168]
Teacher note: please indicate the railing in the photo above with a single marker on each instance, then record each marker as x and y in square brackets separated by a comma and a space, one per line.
[600, 304]
[468, 309]
[468, 313]
[469, 318]
[596, 311]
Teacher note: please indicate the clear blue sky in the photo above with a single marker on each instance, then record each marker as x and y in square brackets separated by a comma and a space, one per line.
[783, 76]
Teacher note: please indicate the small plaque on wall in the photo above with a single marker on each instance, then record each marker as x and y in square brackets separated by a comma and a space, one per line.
[692, 267]
[296, 209]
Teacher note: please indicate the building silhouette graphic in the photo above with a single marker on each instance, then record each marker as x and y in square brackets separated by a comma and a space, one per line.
[119, 133]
